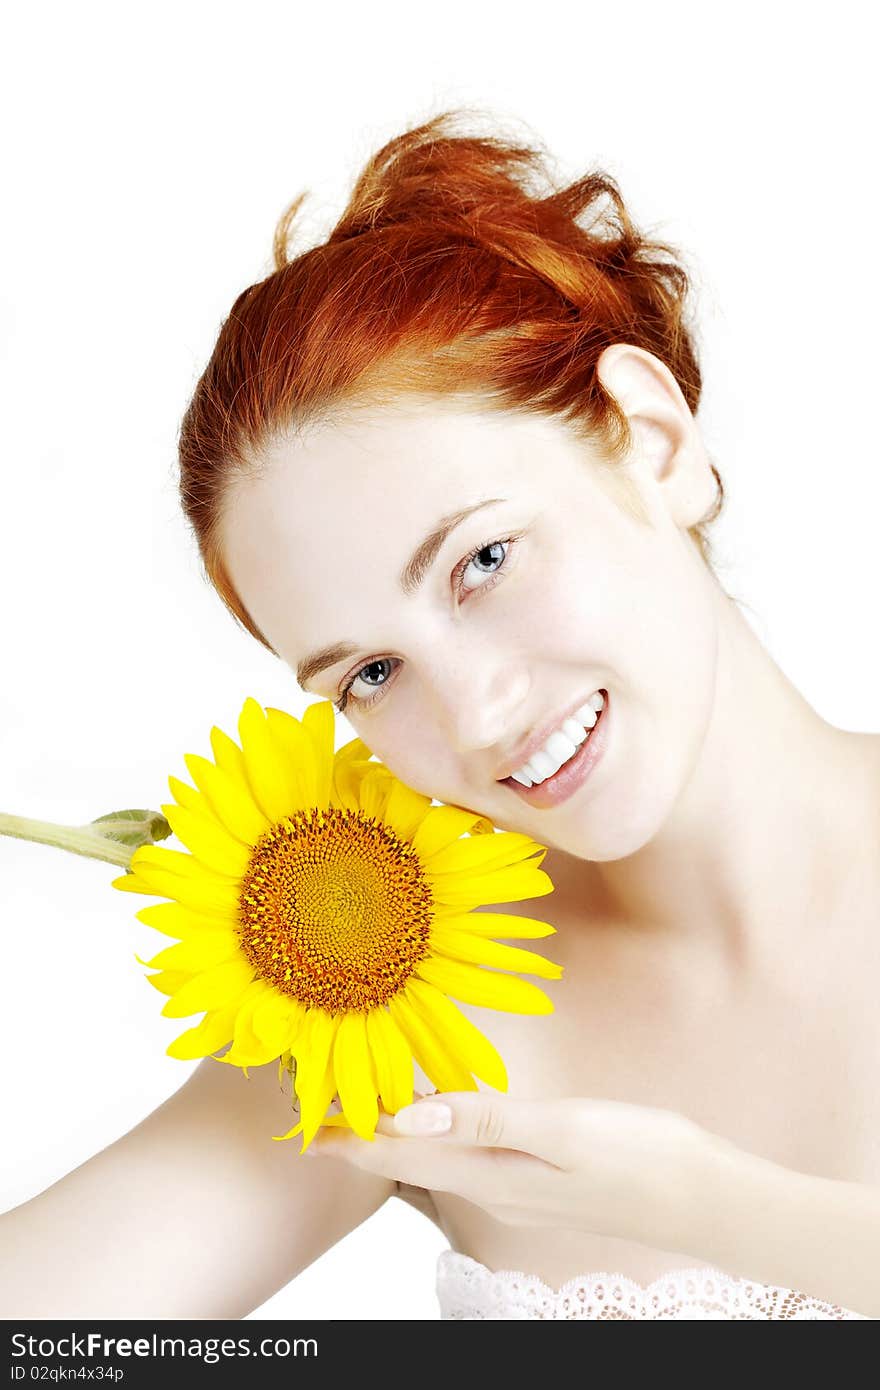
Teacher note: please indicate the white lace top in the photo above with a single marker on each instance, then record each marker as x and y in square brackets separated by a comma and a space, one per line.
[467, 1289]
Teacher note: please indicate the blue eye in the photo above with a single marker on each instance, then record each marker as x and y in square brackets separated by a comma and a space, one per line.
[344, 697]
[458, 573]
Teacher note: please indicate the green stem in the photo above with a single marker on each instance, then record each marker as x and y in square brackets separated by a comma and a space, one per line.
[79, 839]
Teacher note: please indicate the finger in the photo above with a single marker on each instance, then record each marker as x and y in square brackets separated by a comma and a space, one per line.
[542, 1128]
[477, 1174]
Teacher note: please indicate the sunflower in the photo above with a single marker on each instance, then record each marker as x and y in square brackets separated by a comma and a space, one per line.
[324, 915]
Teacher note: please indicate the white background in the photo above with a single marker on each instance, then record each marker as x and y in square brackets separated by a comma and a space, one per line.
[148, 154]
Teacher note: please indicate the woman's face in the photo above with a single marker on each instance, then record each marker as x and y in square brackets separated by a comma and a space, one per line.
[568, 593]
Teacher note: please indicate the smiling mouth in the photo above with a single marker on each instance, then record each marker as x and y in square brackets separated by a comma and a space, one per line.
[575, 757]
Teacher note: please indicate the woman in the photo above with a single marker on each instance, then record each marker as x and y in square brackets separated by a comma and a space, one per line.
[459, 342]
[446, 467]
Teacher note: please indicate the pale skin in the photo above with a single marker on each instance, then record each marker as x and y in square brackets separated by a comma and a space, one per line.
[717, 878]
[706, 1090]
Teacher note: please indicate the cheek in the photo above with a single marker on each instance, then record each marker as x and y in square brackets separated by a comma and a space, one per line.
[554, 613]
[640, 615]
[643, 611]
[579, 609]
[408, 751]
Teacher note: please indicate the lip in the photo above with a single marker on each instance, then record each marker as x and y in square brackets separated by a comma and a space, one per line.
[538, 739]
[572, 774]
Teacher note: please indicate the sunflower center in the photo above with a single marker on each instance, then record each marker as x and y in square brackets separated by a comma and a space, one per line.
[335, 909]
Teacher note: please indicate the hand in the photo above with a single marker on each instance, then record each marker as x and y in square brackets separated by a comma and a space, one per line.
[603, 1166]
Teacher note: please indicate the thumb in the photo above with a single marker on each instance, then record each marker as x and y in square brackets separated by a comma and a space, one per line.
[471, 1117]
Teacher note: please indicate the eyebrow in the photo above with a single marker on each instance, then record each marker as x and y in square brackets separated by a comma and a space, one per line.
[409, 580]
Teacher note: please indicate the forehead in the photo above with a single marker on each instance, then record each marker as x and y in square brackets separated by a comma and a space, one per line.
[439, 445]
[397, 468]
[315, 540]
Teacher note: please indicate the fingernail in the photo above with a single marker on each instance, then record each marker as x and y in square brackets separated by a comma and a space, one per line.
[428, 1117]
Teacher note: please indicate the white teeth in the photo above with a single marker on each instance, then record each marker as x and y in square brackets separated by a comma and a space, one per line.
[562, 744]
[544, 764]
[575, 731]
[559, 747]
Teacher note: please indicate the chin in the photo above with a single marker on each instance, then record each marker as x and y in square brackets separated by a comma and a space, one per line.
[615, 842]
[632, 809]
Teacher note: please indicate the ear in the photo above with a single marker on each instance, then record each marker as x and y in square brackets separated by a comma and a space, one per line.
[668, 454]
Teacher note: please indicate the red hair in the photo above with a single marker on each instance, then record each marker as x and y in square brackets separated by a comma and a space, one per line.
[450, 271]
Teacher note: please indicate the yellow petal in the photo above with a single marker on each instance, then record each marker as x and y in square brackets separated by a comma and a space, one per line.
[483, 826]
[244, 1057]
[211, 989]
[392, 1060]
[199, 952]
[297, 751]
[471, 1047]
[297, 1129]
[335, 1121]
[277, 1019]
[504, 924]
[214, 1031]
[487, 988]
[166, 925]
[230, 799]
[211, 844]
[313, 1049]
[441, 827]
[485, 852]
[435, 1061]
[181, 869]
[208, 896]
[315, 1081]
[405, 809]
[355, 748]
[318, 723]
[169, 981]
[172, 861]
[355, 1079]
[187, 796]
[130, 883]
[247, 1049]
[182, 922]
[496, 886]
[374, 791]
[295, 754]
[461, 945]
[227, 754]
[266, 768]
[347, 779]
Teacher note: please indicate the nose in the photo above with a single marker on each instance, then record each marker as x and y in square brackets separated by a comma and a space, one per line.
[479, 700]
